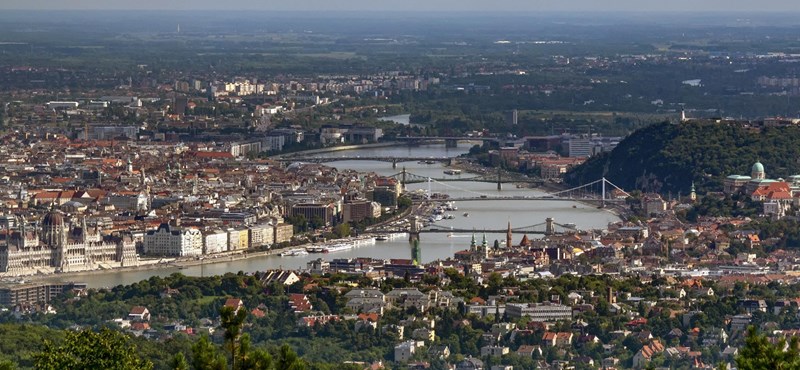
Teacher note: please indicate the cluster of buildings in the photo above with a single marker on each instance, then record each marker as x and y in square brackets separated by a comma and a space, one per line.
[778, 196]
[74, 205]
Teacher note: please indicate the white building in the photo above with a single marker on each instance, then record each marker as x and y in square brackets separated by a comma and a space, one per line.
[215, 241]
[580, 147]
[173, 241]
[539, 312]
[404, 351]
[261, 235]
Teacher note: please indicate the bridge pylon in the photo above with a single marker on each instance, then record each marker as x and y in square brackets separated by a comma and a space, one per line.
[549, 228]
[403, 180]
[414, 230]
[499, 180]
[603, 197]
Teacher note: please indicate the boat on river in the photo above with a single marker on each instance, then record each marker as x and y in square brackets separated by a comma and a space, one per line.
[294, 253]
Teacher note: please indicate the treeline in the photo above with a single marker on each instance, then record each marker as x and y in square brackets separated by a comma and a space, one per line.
[667, 158]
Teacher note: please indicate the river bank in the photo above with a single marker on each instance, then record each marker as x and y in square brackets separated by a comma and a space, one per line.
[486, 214]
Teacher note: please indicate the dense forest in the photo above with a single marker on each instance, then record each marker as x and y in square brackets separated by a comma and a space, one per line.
[667, 158]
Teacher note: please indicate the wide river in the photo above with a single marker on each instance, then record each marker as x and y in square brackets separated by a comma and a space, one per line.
[485, 214]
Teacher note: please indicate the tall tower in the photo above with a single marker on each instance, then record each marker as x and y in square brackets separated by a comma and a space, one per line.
[413, 233]
[508, 236]
[54, 235]
[472, 244]
[416, 253]
[484, 247]
[692, 193]
[84, 231]
[129, 166]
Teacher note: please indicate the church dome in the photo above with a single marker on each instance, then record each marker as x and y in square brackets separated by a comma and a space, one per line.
[53, 219]
[758, 167]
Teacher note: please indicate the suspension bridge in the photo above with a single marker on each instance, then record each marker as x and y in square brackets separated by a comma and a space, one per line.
[548, 227]
[601, 190]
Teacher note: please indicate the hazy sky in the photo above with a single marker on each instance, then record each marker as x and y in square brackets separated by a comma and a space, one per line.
[417, 5]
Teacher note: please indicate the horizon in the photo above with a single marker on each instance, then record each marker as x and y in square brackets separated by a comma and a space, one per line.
[417, 6]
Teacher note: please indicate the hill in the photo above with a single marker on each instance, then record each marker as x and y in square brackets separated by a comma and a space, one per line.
[666, 158]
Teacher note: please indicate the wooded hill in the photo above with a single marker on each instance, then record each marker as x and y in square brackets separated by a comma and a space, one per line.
[666, 158]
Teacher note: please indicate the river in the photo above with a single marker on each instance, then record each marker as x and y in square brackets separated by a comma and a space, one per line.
[485, 214]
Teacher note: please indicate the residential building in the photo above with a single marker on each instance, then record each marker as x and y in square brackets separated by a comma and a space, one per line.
[169, 240]
[539, 312]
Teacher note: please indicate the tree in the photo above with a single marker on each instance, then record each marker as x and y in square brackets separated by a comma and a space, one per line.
[231, 321]
[179, 362]
[87, 349]
[206, 357]
[342, 230]
[759, 353]
[288, 359]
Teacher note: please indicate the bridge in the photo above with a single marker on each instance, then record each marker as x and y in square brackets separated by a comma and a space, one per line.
[499, 178]
[593, 192]
[548, 227]
[450, 141]
[393, 160]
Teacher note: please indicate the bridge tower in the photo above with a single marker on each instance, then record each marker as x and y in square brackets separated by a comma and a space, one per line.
[509, 242]
[394, 163]
[549, 228]
[403, 180]
[603, 195]
[499, 179]
[416, 253]
[413, 233]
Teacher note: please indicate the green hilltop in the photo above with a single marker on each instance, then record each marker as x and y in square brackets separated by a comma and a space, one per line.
[667, 158]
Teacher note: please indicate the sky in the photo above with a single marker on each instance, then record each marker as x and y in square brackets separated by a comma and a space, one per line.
[415, 5]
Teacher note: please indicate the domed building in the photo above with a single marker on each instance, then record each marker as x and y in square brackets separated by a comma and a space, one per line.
[757, 173]
[54, 231]
[747, 184]
[57, 246]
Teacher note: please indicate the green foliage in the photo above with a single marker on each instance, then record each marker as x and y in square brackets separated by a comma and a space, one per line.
[87, 349]
[759, 353]
[231, 321]
[205, 356]
[179, 362]
[342, 230]
[667, 158]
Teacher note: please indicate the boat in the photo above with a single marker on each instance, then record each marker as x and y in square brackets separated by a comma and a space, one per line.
[450, 235]
[430, 161]
[381, 238]
[338, 247]
[466, 214]
[452, 172]
[293, 253]
[449, 217]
